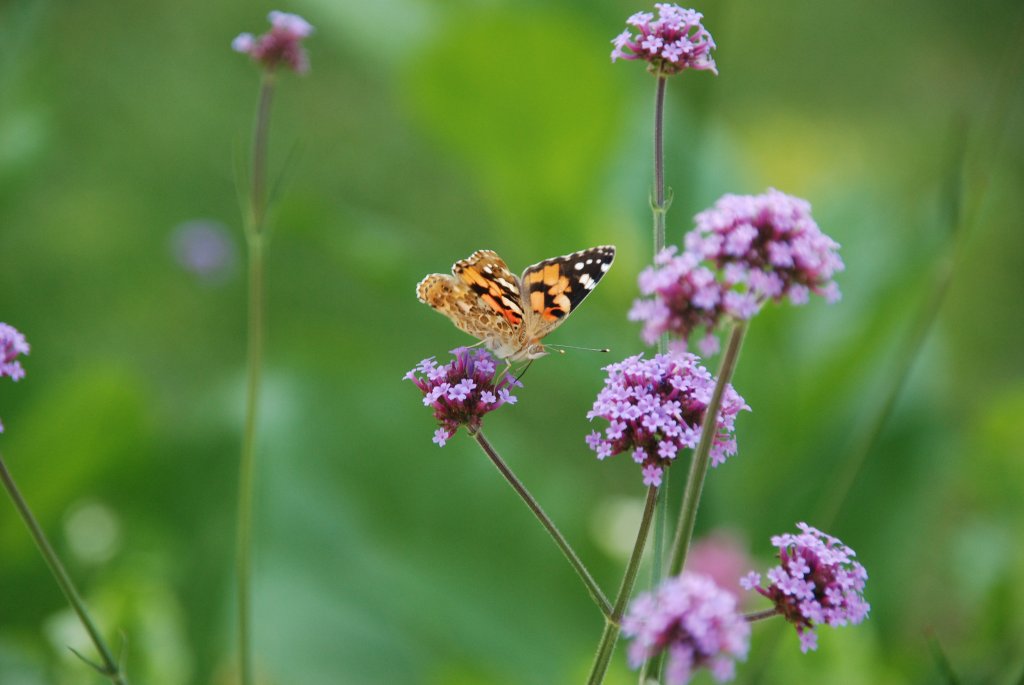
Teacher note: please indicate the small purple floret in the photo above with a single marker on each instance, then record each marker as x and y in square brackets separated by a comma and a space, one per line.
[281, 45]
[816, 582]
[694, 622]
[463, 391]
[675, 41]
[655, 408]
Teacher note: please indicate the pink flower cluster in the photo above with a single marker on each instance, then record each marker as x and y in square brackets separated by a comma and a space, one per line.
[694, 622]
[675, 41]
[687, 296]
[655, 408]
[817, 582]
[463, 391]
[282, 44]
[744, 251]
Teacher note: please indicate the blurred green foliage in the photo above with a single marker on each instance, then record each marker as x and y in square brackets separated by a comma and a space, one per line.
[427, 130]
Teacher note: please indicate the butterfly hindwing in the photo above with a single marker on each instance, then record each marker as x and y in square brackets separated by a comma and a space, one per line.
[489, 277]
[463, 306]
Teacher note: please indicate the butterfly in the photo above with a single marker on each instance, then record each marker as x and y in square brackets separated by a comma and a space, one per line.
[510, 315]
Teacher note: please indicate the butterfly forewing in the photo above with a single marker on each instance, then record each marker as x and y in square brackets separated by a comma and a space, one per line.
[555, 287]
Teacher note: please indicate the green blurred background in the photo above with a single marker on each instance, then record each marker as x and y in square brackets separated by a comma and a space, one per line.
[427, 130]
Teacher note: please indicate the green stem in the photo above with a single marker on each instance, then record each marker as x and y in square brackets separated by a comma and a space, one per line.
[701, 457]
[246, 468]
[109, 667]
[556, 535]
[613, 623]
[659, 206]
[760, 615]
[260, 136]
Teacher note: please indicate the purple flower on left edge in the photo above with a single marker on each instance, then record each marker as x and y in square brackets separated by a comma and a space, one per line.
[816, 582]
[282, 44]
[655, 409]
[692, 621]
[462, 391]
[12, 346]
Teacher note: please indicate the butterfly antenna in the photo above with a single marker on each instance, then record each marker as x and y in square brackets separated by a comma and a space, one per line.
[562, 348]
[525, 369]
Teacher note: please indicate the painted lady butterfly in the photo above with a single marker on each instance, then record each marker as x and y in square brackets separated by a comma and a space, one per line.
[510, 315]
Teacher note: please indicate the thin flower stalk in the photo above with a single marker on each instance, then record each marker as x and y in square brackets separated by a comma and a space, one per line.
[659, 203]
[109, 667]
[280, 47]
[588, 580]
[701, 457]
[255, 239]
[613, 623]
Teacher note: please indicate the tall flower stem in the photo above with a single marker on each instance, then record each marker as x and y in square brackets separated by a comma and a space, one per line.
[701, 457]
[556, 535]
[613, 623]
[255, 237]
[659, 208]
[109, 667]
[659, 204]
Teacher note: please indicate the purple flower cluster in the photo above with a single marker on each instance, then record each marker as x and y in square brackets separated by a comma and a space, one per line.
[687, 296]
[675, 41]
[692, 620]
[655, 408]
[462, 391]
[817, 582]
[745, 250]
[12, 345]
[282, 44]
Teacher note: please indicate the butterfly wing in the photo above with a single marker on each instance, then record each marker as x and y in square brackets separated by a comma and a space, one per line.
[553, 288]
[486, 274]
[481, 298]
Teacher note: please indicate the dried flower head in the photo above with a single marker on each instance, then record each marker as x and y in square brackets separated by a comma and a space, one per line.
[675, 41]
[462, 391]
[12, 345]
[655, 408]
[693, 621]
[282, 44]
[817, 582]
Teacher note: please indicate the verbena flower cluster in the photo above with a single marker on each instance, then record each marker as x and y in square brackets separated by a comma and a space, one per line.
[817, 582]
[675, 41]
[655, 408]
[694, 622]
[12, 345]
[462, 391]
[744, 251]
[282, 44]
[687, 296]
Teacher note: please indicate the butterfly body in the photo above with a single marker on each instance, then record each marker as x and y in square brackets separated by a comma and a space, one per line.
[510, 314]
